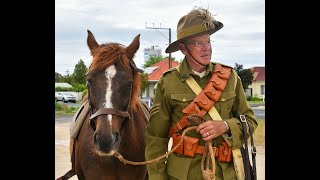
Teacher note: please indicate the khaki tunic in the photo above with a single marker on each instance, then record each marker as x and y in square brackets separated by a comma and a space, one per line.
[171, 97]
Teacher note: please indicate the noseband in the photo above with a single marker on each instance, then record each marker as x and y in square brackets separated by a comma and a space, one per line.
[113, 111]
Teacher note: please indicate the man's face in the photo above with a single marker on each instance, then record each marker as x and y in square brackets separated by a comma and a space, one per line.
[199, 47]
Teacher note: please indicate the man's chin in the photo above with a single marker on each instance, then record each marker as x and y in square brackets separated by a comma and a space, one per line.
[205, 60]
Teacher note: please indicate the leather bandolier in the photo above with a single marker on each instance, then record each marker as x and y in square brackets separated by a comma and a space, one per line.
[200, 106]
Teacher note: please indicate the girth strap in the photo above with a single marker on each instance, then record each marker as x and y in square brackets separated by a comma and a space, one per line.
[110, 111]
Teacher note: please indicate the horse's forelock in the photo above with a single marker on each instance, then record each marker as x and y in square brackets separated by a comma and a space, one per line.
[107, 54]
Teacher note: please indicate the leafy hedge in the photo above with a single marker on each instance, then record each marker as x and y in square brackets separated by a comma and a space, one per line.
[62, 108]
[250, 98]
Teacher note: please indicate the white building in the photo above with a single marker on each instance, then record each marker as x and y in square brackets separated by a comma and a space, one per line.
[153, 51]
[63, 85]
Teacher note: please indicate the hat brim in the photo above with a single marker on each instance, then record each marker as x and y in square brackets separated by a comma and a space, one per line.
[175, 45]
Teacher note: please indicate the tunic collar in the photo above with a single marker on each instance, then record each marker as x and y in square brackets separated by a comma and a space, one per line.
[185, 69]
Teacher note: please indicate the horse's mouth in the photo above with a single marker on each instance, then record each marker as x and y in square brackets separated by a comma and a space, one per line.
[108, 151]
[101, 153]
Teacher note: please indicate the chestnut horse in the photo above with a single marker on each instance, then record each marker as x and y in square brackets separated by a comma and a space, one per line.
[116, 120]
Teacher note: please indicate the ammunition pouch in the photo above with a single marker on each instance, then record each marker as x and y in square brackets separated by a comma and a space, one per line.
[190, 146]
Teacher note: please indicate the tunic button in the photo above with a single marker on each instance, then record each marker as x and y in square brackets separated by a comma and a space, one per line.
[223, 99]
[184, 99]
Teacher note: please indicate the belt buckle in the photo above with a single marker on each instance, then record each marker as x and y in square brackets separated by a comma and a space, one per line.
[243, 118]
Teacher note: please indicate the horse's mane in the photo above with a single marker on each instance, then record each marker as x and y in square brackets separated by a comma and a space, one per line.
[107, 54]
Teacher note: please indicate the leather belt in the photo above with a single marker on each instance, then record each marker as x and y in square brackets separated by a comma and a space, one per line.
[200, 150]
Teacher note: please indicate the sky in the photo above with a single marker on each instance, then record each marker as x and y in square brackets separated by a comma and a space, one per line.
[241, 40]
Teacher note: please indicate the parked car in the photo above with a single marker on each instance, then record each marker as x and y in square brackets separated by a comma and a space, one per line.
[65, 97]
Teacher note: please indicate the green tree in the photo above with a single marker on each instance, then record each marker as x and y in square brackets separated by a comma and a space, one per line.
[58, 77]
[144, 82]
[78, 87]
[152, 60]
[79, 73]
[67, 78]
[246, 75]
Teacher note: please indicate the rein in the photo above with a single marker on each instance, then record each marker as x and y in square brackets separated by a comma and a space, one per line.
[209, 152]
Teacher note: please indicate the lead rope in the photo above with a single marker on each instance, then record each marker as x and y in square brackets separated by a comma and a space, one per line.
[208, 153]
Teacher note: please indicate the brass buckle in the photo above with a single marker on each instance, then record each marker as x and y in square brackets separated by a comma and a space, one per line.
[243, 118]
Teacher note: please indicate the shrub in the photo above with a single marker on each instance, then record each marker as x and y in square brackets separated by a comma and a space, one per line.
[58, 106]
[84, 92]
[250, 98]
[63, 89]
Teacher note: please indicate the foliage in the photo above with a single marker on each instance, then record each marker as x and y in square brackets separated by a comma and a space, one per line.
[64, 109]
[79, 73]
[58, 77]
[144, 81]
[84, 92]
[259, 134]
[154, 59]
[250, 98]
[63, 88]
[256, 102]
[67, 78]
[245, 75]
[78, 87]
[58, 106]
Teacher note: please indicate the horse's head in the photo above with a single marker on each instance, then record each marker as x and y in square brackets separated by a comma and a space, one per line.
[113, 82]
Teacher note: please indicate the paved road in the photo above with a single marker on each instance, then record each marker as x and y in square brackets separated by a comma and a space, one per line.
[259, 111]
[69, 104]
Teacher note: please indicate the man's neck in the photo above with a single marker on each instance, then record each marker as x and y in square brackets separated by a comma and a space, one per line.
[196, 67]
[201, 74]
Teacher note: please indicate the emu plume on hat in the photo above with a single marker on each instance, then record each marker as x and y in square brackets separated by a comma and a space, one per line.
[197, 22]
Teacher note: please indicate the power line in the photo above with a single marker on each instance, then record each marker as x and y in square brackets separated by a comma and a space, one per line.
[156, 28]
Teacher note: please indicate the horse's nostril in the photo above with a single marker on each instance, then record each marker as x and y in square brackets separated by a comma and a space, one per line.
[95, 138]
[117, 136]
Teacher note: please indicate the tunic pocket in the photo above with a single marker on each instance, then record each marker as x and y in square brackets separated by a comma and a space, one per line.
[181, 100]
[225, 104]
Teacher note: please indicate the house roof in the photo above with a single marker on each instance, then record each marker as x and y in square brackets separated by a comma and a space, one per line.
[159, 68]
[258, 73]
[67, 85]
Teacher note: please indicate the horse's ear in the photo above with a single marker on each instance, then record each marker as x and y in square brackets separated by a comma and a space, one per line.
[91, 41]
[133, 47]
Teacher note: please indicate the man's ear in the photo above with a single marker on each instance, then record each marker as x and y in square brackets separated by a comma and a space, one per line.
[182, 48]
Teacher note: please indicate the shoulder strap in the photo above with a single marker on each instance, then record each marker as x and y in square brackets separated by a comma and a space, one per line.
[212, 111]
[214, 114]
[197, 89]
[253, 150]
[247, 165]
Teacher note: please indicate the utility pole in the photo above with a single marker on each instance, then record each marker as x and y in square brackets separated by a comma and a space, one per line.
[156, 28]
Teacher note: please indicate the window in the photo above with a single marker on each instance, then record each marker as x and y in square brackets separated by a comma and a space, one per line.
[262, 89]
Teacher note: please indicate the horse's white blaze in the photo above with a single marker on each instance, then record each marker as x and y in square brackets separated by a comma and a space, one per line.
[110, 73]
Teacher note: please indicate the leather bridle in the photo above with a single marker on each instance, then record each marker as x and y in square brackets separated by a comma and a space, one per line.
[113, 111]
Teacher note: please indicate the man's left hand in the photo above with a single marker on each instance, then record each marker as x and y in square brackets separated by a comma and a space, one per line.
[211, 129]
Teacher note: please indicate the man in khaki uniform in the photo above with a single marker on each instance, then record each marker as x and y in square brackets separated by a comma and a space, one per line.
[173, 95]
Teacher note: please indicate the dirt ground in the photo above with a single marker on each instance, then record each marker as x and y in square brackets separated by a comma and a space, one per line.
[62, 157]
